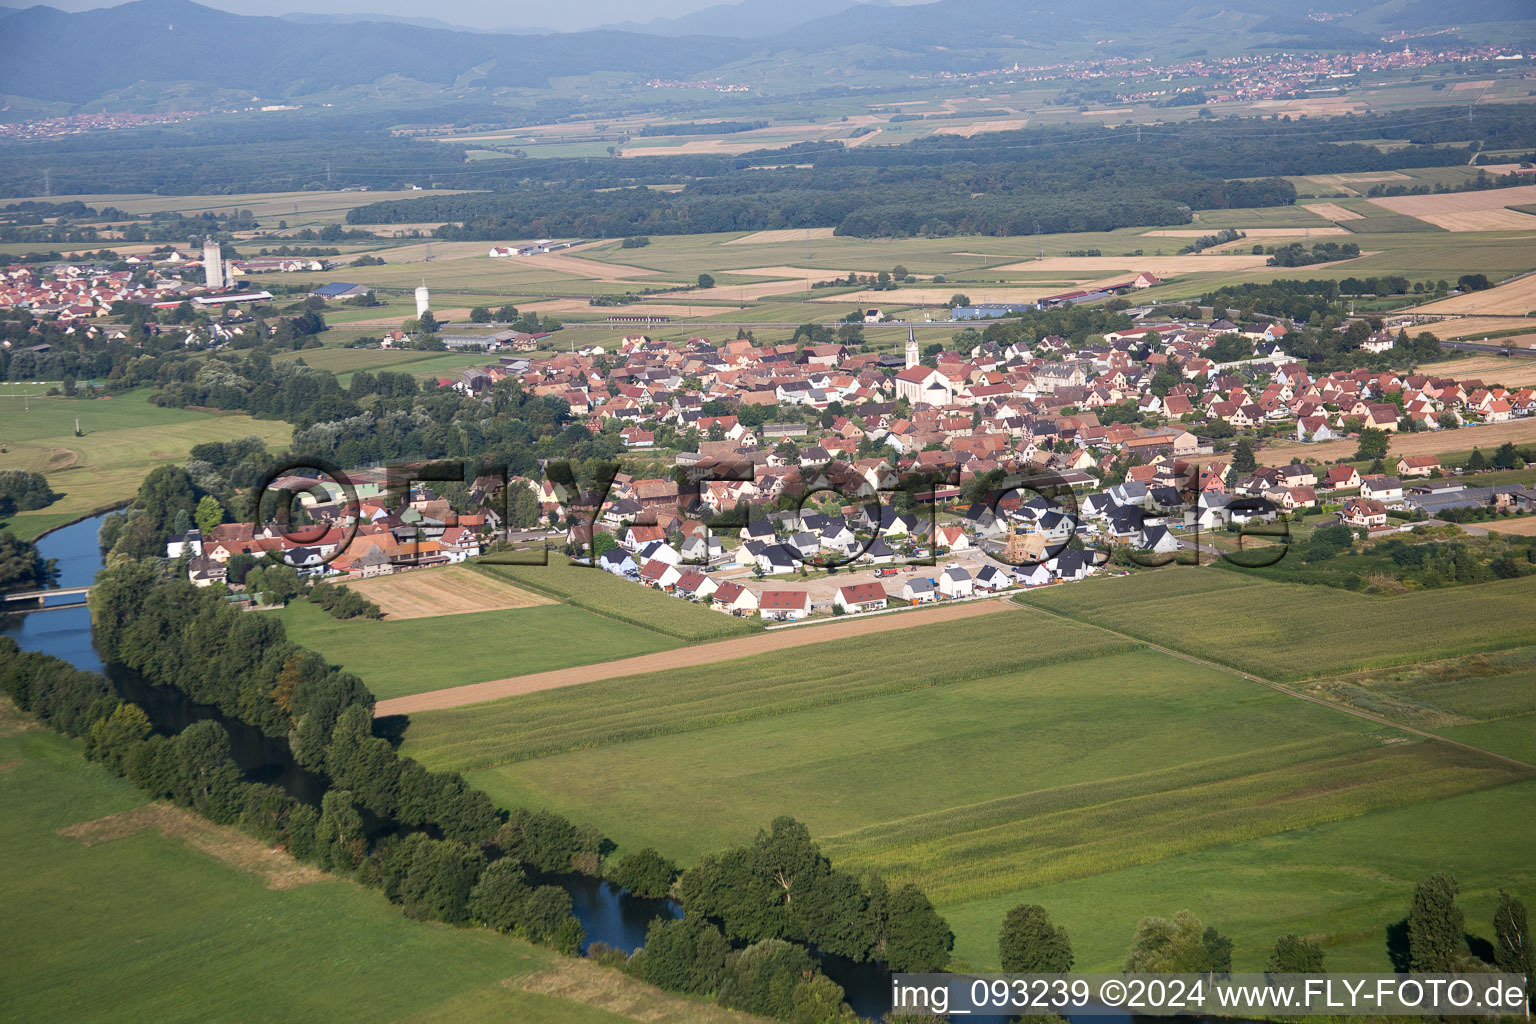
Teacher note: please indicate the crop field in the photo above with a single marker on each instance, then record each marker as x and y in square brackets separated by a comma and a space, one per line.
[453, 590]
[1290, 631]
[602, 593]
[1343, 881]
[1488, 700]
[1085, 757]
[1430, 442]
[1481, 210]
[163, 923]
[1516, 298]
[124, 437]
[413, 655]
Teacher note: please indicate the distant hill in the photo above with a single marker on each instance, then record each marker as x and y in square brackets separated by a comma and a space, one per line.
[746, 19]
[46, 53]
[150, 51]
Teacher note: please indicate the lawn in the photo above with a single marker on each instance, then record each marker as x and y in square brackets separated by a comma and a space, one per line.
[124, 437]
[607, 595]
[397, 658]
[146, 927]
[1290, 631]
[977, 758]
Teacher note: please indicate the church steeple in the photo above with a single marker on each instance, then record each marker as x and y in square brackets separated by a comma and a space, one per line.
[912, 353]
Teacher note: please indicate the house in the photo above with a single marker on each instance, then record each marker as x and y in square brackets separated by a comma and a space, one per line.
[1037, 575]
[702, 548]
[1341, 478]
[1385, 489]
[618, 562]
[734, 599]
[1370, 514]
[694, 585]
[919, 591]
[952, 537]
[784, 605]
[860, 597]
[659, 574]
[1157, 539]
[956, 582]
[339, 290]
[1417, 465]
[990, 577]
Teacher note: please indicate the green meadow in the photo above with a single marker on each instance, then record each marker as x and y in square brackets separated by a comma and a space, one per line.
[1288, 631]
[405, 656]
[124, 436]
[998, 760]
[173, 926]
[606, 595]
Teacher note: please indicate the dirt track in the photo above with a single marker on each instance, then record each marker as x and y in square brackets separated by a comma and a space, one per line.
[684, 657]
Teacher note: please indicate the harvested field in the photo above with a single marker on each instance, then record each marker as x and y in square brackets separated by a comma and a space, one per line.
[980, 127]
[783, 235]
[450, 591]
[572, 306]
[1512, 373]
[1487, 437]
[1483, 210]
[1517, 298]
[1162, 266]
[1525, 526]
[239, 851]
[1357, 178]
[1301, 232]
[1333, 211]
[578, 266]
[1474, 328]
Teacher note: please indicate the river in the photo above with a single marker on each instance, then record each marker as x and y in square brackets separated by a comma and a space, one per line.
[609, 914]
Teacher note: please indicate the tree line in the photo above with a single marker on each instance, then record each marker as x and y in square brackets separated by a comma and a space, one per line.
[428, 840]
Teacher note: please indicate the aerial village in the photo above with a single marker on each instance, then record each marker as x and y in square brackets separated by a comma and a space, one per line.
[810, 453]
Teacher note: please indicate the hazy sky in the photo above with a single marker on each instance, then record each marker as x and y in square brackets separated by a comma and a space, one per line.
[484, 14]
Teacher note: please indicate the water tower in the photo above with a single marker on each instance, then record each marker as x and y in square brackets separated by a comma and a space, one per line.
[423, 300]
[213, 264]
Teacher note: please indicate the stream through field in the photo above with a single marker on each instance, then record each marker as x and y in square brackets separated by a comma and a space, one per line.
[609, 914]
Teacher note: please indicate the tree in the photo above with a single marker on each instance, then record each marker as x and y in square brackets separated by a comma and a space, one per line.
[506, 314]
[523, 507]
[21, 567]
[706, 281]
[1178, 946]
[686, 955]
[480, 315]
[340, 845]
[209, 514]
[959, 299]
[645, 873]
[1030, 943]
[1477, 461]
[1513, 950]
[1373, 444]
[602, 543]
[164, 492]
[497, 899]
[1294, 954]
[1506, 457]
[1436, 926]
[916, 938]
[1243, 460]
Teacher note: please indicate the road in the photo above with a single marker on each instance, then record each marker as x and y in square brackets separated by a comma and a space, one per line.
[690, 657]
